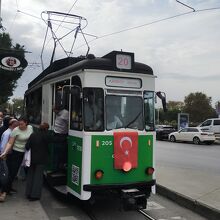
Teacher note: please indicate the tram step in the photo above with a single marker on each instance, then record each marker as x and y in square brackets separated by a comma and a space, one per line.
[56, 178]
[62, 189]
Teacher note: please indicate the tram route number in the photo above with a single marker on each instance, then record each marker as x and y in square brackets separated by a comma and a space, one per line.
[123, 61]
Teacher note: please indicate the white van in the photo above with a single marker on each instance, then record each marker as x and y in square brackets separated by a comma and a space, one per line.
[212, 125]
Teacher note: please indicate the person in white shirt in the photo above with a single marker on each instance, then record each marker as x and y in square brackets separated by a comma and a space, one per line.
[61, 125]
[61, 121]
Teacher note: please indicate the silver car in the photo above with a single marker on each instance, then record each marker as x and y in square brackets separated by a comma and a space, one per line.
[192, 134]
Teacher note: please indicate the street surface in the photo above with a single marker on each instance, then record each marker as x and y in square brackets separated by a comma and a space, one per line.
[189, 159]
[203, 157]
[159, 208]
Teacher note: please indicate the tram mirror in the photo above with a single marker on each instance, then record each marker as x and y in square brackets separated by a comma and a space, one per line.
[162, 96]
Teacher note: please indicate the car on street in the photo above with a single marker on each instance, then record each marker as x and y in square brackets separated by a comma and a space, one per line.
[192, 134]
[162, 131]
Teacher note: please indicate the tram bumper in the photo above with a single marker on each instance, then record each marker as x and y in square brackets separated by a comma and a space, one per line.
[101, 187]
[133, 195]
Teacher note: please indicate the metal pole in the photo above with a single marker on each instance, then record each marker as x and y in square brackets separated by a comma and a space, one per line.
[158, 115]
[0, 14]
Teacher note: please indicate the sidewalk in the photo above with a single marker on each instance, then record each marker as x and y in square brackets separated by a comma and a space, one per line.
[195, 190]
[17, 207]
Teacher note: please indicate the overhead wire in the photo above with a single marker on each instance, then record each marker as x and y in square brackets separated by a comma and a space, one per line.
[67, 13]
[157, 21]
[131, 28]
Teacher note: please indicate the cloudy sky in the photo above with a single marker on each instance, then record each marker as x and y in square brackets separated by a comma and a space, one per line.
[184, 51]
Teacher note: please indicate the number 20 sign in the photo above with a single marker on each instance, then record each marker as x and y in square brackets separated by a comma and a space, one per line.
[123, 61]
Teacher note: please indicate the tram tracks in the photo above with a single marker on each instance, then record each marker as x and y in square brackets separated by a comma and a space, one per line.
[146, 215]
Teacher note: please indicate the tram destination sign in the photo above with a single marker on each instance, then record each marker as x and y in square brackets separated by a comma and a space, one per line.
[122, 61]
[12, 62]
[123, 82]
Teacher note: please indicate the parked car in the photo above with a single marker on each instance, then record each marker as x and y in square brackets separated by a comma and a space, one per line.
[192, 134]
[212, 125]
[162, 131]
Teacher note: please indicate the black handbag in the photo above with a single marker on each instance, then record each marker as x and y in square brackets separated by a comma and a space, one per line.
[3, 172]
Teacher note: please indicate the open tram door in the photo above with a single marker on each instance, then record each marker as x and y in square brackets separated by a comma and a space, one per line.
[56, 175]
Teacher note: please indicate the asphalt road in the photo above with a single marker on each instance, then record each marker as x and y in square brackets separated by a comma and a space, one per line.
[203, 157]
[58, 207]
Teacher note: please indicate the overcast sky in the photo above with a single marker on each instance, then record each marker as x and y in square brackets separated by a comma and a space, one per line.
[184, 52]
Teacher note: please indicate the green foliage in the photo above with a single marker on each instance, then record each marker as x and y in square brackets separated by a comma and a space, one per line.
[199, 107]
[9, 79]
[17, 107]
[170, 117]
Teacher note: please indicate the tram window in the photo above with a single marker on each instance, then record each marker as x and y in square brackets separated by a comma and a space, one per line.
[76, 109]
[34, 106]
[149, 110]
[124, 112]
[93, 101]
[62, 94]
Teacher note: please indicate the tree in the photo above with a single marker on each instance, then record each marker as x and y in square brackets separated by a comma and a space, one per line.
[199, 107]
[9, 79]
[17, 107]
[171, 116]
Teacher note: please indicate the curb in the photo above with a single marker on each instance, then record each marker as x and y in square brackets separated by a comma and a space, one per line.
[189, 203]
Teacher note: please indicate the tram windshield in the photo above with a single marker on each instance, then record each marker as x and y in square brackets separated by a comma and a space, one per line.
[149, 110]
[124, 112]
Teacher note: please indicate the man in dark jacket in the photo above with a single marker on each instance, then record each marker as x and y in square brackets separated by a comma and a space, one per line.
[38, 144]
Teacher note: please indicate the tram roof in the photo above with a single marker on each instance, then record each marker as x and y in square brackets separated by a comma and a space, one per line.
[69, 64]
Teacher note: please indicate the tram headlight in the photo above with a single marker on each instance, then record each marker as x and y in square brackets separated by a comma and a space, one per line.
[99, 174]
[149, 171]
[127, 166]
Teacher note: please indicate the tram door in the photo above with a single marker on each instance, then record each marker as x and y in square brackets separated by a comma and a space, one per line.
[58, 150]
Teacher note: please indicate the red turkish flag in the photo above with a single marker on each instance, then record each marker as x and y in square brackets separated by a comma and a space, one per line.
[125, 150]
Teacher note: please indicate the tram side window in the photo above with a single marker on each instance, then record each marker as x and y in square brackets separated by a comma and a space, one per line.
[62, 94]
[149, 110]
[34, 106]
[93, 102]
[76, 109]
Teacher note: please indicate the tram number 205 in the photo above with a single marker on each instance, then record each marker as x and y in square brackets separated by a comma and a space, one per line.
[106, 143]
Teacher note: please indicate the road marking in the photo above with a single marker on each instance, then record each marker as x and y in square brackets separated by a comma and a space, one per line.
[153, 206]
[68, 218]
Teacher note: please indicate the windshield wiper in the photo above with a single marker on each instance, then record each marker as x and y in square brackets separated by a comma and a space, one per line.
[131, 122]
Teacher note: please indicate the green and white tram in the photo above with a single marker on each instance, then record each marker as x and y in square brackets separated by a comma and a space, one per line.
[111, 124]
